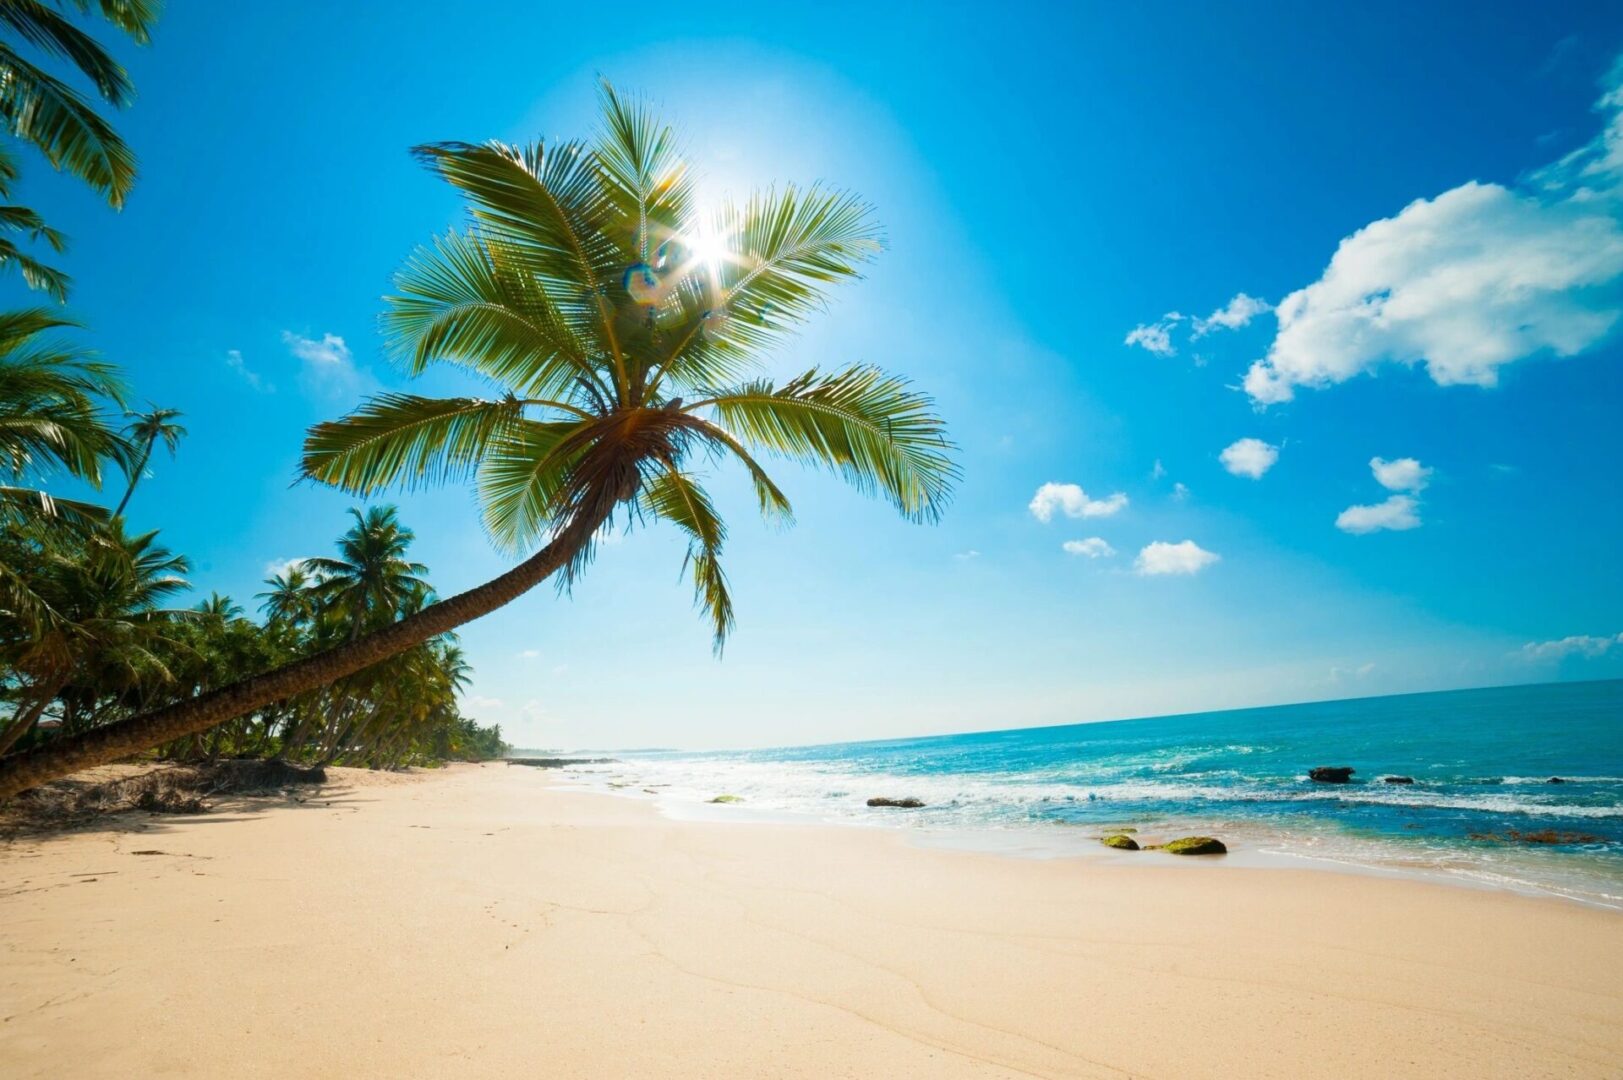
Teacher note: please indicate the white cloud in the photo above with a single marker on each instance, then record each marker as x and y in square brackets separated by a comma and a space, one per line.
[1094, 547]
[1159, 471]
[1155, 337]
[1161, 557]
[476, 701]
[1583, 645]
[529, 654]
[1465, 283]
[1401, 474]
[965, 556]
[1397, 513]
[278, 567]
[234, 361]
[328, 367]
[1249, 457]
[1180, 491]
[1073, 502]
[1233, 315]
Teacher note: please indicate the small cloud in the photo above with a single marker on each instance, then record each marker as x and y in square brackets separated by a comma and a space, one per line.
[234, 361]
[529, 654]
[1337, 674]
[1161, 557]
[1159, 471]
[965, 556]
[1073, 502]
[278, 567]
[1584, 645]
[1249, 457]
[1094, 547]
[1403, 474]
[1398, 513]
[1155, 337]
[328, 367]
[1233, 315]
[476, 701]
[1180, 491]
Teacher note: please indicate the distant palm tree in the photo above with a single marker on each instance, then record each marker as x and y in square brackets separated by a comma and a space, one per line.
[291, 599]
[38, 108]
[619, 322]
[144, 432]
[372, 581]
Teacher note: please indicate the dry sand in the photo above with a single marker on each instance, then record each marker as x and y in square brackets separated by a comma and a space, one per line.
[481, 922]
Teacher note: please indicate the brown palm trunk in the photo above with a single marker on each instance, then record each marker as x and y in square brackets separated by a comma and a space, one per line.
[125, 737]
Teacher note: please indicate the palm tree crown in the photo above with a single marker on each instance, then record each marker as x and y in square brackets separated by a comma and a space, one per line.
[144, 431]
[620, 322]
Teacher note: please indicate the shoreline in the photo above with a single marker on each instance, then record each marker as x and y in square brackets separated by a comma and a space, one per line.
[489, 921]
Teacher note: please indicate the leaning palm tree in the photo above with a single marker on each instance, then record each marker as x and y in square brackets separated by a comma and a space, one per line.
[38, 108]
[619, 324]
[144, 431]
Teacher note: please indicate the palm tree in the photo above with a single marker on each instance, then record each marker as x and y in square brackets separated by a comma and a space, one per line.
[291, 598]
[372, 581]
[145, 430]
[38, 108]
[107, 595]
[619, 323]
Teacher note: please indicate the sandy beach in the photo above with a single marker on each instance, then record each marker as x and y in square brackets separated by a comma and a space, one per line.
[478, 921]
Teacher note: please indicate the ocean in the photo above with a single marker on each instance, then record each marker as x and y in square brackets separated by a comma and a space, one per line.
[1481, 761]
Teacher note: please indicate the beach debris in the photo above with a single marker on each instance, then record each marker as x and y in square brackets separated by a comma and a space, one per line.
[728, 799]
[905, 804]
[1538, 836]
[1331, 774]
[168, 802]
[1397, 779]
[1117, 840]
[1192, 845]
[1555, 780]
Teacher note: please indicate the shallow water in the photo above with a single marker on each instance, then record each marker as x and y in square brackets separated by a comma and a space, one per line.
[1481, 761]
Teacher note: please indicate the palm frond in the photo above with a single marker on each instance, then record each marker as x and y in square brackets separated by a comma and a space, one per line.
[35, 274]
[524, 480]
[44, 111]
[647, 182]
[865, 425]
[407, 440]
[774, 503]
[676, 497]
[44, 27]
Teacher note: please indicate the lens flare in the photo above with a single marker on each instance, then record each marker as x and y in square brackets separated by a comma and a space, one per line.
[642, 283]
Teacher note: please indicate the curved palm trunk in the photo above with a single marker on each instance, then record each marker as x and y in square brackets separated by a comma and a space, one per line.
[119, 740]
[135, 477]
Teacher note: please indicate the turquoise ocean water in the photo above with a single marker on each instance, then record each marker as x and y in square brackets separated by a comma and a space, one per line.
[1481, 762]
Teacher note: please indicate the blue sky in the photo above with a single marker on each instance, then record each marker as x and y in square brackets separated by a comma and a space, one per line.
[1053, 180]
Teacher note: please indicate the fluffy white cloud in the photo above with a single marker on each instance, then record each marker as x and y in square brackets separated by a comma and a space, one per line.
[1233, 315]
[1584, 645]
[1479, 277]
[1155, 337]
[278, 567]
[1249, 457]
[327, 365]
[1073, 502]
[1161, 557]
[1402, 474]
[1094, 547]
[234, 361]
[1397, 513]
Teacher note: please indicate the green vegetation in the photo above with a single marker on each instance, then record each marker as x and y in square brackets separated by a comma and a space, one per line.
[622, 326]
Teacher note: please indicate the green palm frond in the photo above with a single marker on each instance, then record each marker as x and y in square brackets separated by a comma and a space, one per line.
[35, 274]
[42, 110]
[406, 440]
[525, 479]
[461, 302]
[646, 180]
[773, 502]
[676, 497]
[44, 27]
[865, 425]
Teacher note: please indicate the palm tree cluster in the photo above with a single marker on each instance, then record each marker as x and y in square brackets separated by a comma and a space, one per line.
[621, 329]
[114, 642]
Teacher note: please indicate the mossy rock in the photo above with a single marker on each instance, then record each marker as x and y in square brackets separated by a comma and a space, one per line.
[1195, 845]
[1117, 840]
[728, 798]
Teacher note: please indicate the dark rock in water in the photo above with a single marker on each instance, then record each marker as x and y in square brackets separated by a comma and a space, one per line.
[1555, 780]
[1125, 843]
[1195, 845]
[1538, 836]
[1398, 779]
[728, 798]
[905, 804]
[1328, 774]
[560, 762]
